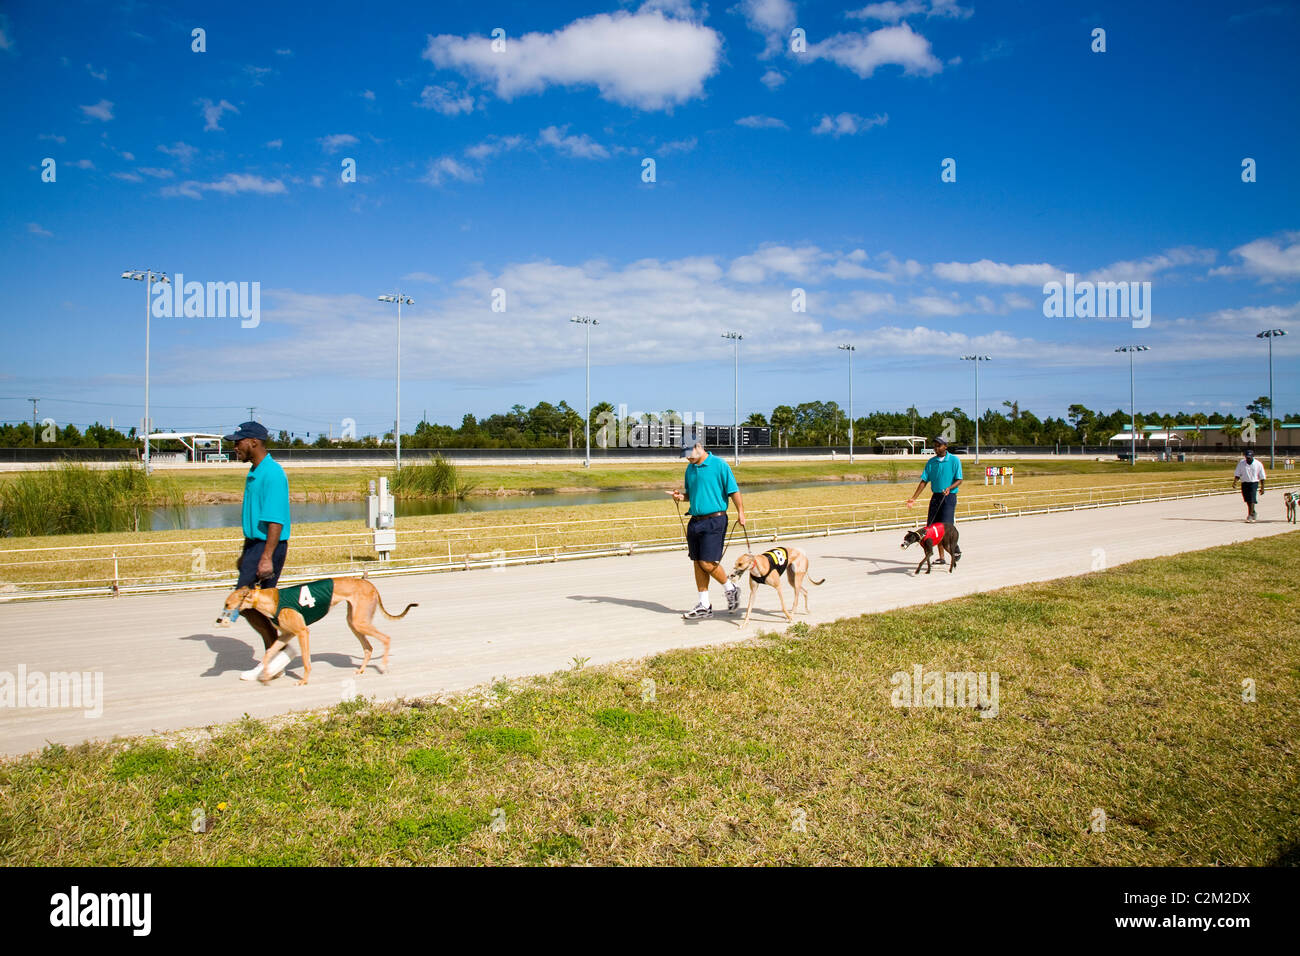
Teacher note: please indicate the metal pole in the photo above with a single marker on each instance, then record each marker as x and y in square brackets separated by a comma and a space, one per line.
[977, 411]
[1271, 447]
[735, 434]
[850, 406]
[148, 287]
[587, 461]
[1132, 414]
[397, 430]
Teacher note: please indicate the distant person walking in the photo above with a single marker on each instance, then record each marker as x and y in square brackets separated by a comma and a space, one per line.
[266, 531]
[709, 484]
[1251, 475]
[943, 472]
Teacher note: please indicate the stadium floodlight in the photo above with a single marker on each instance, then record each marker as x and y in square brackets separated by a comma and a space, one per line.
[1270, 334]
[850, 349]
[148, 277]
[588, 322]
[735, 431]
[1132, 410]
[977, 359]
[397, 425]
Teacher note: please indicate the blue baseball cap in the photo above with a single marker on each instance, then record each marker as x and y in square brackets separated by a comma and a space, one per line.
[249, 430]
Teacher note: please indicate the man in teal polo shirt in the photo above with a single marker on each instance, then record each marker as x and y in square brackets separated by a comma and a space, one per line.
[943, 472]
[709, 483]
[266, 530]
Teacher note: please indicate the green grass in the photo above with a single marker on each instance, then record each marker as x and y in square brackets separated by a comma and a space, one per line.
[438, 478]
[1120, 690]
[74, 499]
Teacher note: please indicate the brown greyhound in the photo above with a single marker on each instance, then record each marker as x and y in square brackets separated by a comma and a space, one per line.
[767, 568]
[294, 607]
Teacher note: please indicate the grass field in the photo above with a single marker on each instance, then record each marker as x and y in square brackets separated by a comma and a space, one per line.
[1120, 692]
[327, 548]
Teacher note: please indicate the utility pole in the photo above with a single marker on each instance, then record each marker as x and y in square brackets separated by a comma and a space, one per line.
[1132, 407]
[977, 359]
[33, 401]
[735, 432]
[1270, 334]
[588, 321]
[251, 409]
[850, 349]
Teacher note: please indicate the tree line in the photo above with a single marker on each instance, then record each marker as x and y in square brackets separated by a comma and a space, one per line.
[809, 424]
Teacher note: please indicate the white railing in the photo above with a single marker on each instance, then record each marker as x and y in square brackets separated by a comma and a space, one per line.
[193, 563]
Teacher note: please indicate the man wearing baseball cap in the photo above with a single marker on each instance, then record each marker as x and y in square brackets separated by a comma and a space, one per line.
[709, 484]
[266, 530]
[1251, 475]
[943, 472]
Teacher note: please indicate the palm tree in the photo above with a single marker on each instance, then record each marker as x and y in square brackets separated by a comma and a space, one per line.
[783, 420]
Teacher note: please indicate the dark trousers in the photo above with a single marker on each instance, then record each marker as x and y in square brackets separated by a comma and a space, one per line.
[248, 560]
[943, 509]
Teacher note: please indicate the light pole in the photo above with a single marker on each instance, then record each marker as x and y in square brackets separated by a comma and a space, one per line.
[850, 349]
[397, 426]
[735, 432]
[1132, 409]
[977, 359]
[1270, 334]
[147, 276]
[588, 322]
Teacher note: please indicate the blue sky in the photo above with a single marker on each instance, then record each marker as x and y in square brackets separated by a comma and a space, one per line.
[522, 170]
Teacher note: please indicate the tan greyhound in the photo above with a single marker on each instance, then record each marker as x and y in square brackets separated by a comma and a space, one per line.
[767, 568]
[294, 607]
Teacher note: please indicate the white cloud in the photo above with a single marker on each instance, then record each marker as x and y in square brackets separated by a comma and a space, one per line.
[419, 277]
[448, 168]
[103, 111]
[771, 19]
[848, 124]
[998, 273]
[101, 75]
[761, 122]
[336, 141]
[129, 177]
[772, 79]
[642, 59]
[446, 100]
[1143, 269]
[6, 41]
[183, 152]
[676, 146]
[284, 53]
[53, 136]
[229, 184]
[212, 113]
[368, 95]
[275, 144]
[493, 145]
[156, 172]
[864, 53]
[82, 164]
[893, 12]
[36, 229]
[1267, 259]
[579, 147]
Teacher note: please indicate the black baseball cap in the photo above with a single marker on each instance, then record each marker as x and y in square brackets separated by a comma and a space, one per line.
[249, 430]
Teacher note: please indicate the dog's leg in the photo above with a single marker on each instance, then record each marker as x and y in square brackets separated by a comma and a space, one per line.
[366, 646]
[279, 644]
[796, 582]
[753, 593]
[306, 655]
[781, 594]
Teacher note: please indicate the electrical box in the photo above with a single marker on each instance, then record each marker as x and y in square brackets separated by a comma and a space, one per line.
[381, 519]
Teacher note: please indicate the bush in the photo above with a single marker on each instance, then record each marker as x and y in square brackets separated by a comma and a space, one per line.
[437, 479]
[77, 499]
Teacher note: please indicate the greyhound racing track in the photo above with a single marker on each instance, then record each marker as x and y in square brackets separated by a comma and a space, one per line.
[166, 667]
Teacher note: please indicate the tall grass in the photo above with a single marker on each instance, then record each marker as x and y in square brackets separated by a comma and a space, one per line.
[74, 499]
[437, 479]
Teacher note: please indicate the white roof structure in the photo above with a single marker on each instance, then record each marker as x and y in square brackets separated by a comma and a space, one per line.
[191, 440]
[1148, 436]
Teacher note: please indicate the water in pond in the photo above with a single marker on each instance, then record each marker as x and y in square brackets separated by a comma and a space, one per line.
[303, 512]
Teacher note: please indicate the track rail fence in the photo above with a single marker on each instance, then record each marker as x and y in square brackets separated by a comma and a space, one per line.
[206, 562]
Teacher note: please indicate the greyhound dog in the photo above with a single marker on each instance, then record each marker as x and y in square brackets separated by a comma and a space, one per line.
[936, 534]
[1291, 498]
[294, 607]
[767, 568]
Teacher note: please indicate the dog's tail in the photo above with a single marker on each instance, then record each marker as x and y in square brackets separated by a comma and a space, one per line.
[392, 617]
[815, 581]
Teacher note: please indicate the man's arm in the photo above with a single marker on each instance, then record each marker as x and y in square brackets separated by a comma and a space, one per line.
[740, 507]
[955, 484]
[919, 486]
[264, 565]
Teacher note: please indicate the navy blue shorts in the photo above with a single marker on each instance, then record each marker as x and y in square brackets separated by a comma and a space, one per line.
[705, 538]
[942, 510]
[248, 563]
[1249, 491]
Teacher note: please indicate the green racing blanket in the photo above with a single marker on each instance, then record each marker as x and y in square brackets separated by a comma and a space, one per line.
[311, 600]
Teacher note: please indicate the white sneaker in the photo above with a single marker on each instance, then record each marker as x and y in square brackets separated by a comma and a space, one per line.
[278, 664]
